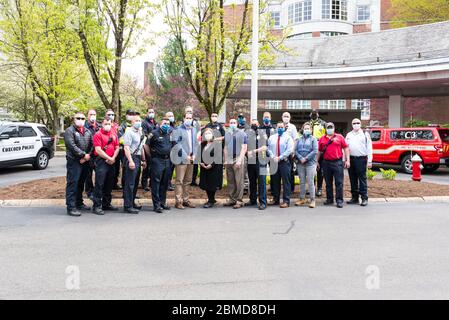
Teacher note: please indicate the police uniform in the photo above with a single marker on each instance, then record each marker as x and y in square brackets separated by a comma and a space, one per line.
[257, 165]
[160, 145]
[89, 186]
[148, 125]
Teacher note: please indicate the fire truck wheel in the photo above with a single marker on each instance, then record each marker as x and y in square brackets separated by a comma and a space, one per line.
[407, 164]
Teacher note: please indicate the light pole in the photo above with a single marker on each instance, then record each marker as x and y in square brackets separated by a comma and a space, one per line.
[255, 60]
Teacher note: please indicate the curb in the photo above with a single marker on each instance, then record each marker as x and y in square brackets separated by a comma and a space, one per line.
[39, 203]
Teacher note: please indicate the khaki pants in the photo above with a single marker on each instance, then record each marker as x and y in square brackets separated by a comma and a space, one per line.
[236, 182]
[184, 174]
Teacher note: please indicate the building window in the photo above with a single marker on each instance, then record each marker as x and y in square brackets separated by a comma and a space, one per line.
[364, 105]
[333, 104]
[335, 9]
[332, 33]
[300, 11]
[363, 13]
[276, 19]
[273, 104]
[299, 104]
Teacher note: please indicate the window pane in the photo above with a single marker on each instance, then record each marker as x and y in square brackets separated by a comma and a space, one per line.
[25, 132]
[274, 104]
[326, 9]
[411, 135]
[11, 131]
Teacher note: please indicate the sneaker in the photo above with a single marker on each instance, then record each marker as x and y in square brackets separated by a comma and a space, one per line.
[208, 205]
[73, 213]
[312, 204]
[340, 204]
[179, 206]
[353, 201]
[300, 202]
[319, 193]
[364, 203]
[98, 211]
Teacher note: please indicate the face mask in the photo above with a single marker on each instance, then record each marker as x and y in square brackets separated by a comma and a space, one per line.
[314, 117]
[137, 125]
[129, 118]
[286, 119]
[107, 128]
[171, 119]
[151, 116]
[214, 119]
[232, 127]
[307, 132]
[93, 118]
[330, 132]
[208, 136]
[266, 121]
[281, 131]
[242, 122]
[165, 127]
[356, 127]
[188, 123]
[79, 123]
[111, 117]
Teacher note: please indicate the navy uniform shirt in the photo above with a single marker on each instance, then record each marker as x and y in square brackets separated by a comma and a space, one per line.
[160, 143]
[269, 129]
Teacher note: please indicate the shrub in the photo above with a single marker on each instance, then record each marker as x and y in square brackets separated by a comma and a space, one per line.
[388, 174]
[417, 123]
[370, 174]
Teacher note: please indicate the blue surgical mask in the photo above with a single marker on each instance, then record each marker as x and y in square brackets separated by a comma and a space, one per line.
[266, 121]
[188, 123]
[281, 131]
[242, 121]
[307, 132]
[137, 125]
[232, 127]
[330, 132]
[165, 127]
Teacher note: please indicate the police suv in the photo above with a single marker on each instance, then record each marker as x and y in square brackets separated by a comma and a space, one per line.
[25, 143]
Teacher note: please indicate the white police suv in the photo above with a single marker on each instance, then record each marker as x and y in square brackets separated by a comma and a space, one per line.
[25, 143]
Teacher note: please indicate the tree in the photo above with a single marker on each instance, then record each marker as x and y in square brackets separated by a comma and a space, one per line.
[419, 11]
[107, 30]
[43, 54]
[214, 46]
[169, 85]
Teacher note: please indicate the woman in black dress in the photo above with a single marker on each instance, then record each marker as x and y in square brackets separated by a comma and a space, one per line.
[211, 174]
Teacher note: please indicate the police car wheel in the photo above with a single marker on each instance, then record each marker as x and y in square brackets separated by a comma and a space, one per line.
[41, 161]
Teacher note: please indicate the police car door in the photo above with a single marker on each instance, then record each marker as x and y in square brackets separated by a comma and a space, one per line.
[28, 141]
[10, 149]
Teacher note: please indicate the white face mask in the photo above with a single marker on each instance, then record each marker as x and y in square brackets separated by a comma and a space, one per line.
[356, 127]
[107, 128]
[214, 119]
[93, 118]
[79, 123]
[286, 119]
[208, 136]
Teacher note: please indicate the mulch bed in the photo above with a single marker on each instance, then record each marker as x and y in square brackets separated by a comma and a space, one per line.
[54, 188]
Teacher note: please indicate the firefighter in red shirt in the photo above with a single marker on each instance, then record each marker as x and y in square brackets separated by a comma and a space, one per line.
[106, 150]
[331, 148]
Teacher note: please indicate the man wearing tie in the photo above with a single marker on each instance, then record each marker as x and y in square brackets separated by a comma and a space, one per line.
[280, 147]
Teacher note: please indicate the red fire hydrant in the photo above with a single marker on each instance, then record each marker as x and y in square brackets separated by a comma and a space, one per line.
[417, 167]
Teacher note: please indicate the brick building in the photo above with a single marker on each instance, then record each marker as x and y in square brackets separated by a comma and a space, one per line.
[332, 18]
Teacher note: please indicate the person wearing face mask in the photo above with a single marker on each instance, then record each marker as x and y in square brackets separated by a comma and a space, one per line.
[270, 129]
[159, 145]
[106, 151]
[290, 129]
[183, 156]
[331, 148]
[211, 174]
[130, 114]
[318, 130]
[197, 125]
[93, 126]
[217, 128]
[79, 146]
[171, 118]
[361, 156]
[148, 125]
[280, 148]
[133, 141]
[236, 145]
[241, 122]
[306, 155]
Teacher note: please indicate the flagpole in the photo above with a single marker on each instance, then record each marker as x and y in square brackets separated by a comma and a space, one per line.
[255, 60]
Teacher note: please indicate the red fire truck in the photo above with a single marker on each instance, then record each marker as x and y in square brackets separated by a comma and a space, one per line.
[398, 145]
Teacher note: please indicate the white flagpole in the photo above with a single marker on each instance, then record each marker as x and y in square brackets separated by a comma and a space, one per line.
[255, 60]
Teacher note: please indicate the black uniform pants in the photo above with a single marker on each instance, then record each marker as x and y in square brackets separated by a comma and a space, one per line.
[334, 170]
[320, 176]
[357, 175]
[161, 171]
[283, 174]
[118, 166]
[257, 184]
[130, 179]
[89, 185]
[76, 177]
[104, 179]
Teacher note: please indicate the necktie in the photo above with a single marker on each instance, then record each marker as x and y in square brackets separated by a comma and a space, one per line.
[278, 148]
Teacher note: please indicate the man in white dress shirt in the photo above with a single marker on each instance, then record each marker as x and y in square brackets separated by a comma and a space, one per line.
[291, 130]
[361, 154]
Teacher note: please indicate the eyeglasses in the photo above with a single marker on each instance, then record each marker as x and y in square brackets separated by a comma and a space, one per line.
[78, 118]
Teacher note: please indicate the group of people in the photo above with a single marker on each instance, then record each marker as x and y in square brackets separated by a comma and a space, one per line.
[149, 152]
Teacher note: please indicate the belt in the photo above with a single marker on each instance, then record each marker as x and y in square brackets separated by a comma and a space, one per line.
[333, 160]
[359, 157]
[161, 156]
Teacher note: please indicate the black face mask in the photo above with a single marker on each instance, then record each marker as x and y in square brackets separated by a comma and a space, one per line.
[314, 117]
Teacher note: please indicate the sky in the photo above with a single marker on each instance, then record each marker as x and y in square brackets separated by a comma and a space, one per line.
[134, 67]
